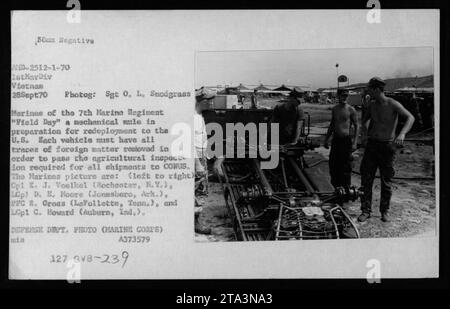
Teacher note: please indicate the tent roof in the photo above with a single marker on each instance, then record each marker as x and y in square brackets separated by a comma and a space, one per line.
[262, 88]
[242, 87]
[283, 88]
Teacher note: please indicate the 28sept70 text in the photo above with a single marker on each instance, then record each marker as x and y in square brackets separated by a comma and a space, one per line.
[225, 298]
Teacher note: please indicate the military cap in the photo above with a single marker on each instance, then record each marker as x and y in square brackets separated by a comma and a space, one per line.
[376, 82]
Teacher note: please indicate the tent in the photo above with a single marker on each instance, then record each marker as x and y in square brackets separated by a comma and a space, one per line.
[282, 88]
[242, 87]
[262, 88]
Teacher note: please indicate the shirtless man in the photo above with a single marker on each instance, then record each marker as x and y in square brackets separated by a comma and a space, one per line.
[343, 117]
[290, 117]
[382, 113]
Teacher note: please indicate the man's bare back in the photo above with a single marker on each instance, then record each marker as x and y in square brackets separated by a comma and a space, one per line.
[343, 116]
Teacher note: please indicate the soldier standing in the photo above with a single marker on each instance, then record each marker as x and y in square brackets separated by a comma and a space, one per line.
[290, 118]
[382, 118]
[343, 118]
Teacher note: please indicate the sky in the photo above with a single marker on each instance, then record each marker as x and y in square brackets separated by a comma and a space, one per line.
[310, 68]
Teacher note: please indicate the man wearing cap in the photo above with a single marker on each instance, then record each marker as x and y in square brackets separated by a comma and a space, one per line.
[203, 98]
[289, 116]
[380, 123]
[343, 118]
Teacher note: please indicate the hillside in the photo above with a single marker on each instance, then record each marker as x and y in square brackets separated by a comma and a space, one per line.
[420, 82]
[396, 83]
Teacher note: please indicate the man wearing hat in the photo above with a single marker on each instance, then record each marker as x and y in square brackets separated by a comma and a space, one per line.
[290, 117]
[203, 98]
[343, 118]
[380, 123]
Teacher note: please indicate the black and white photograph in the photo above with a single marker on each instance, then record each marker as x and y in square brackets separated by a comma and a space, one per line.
[225, 144]
[356, 155]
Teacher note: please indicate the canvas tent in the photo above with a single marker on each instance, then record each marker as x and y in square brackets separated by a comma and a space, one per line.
[262, 88]
[242, 88]
[282, 88]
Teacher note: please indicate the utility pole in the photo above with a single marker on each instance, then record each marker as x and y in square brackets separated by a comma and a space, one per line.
[337, 76]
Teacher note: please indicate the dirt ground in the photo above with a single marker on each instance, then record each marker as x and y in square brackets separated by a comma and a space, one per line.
[413, 204]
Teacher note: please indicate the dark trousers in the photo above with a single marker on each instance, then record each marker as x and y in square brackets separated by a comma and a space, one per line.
[340, 161]
[378, 155]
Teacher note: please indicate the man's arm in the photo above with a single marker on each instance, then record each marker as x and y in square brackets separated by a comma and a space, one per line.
[329, 131]
[298, 131]
[354, 122]
[365, 124]
[300, 119]
[404, 113]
